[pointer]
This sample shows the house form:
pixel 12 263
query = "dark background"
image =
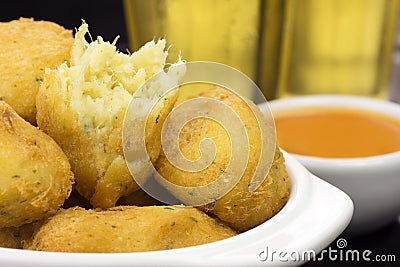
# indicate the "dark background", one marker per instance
pixel 106 18
pixel 385 241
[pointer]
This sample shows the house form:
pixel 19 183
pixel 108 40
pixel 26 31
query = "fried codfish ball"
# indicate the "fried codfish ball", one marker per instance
pixel 35 176
pixel 239 208
pixel 82 107
pixel 128 229
pixel 27 48
pixel 17 237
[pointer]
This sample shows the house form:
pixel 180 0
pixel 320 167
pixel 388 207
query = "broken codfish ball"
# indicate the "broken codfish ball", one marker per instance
pixel 82 107
pixel 240 208
pixel 128 229
pixel 35 176
pixel 27 48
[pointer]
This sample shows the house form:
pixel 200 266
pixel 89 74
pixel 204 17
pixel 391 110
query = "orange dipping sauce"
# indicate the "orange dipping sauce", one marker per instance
pixel 337 133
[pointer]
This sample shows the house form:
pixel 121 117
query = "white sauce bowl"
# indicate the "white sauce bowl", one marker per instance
pixel 373 182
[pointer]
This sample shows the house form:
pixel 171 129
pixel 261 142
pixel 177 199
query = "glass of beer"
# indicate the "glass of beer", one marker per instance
pixel 224 31
pixel 337 47
pixel 288 47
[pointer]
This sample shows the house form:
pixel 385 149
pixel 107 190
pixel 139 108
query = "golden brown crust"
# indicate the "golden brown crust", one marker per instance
pixel 239 208
pixel 35 173
pixel 27 47
pixel 128 229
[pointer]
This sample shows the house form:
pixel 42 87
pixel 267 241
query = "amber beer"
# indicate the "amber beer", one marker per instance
pixel 225 31
pixel 337 46
pixel 288 47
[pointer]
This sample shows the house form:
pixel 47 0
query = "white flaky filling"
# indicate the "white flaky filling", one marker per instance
pixel 101 80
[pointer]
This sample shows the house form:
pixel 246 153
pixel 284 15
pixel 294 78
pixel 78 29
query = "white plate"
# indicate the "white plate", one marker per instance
pixel 314 216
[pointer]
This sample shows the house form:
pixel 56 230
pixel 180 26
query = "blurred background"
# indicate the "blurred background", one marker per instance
pixel 288 47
